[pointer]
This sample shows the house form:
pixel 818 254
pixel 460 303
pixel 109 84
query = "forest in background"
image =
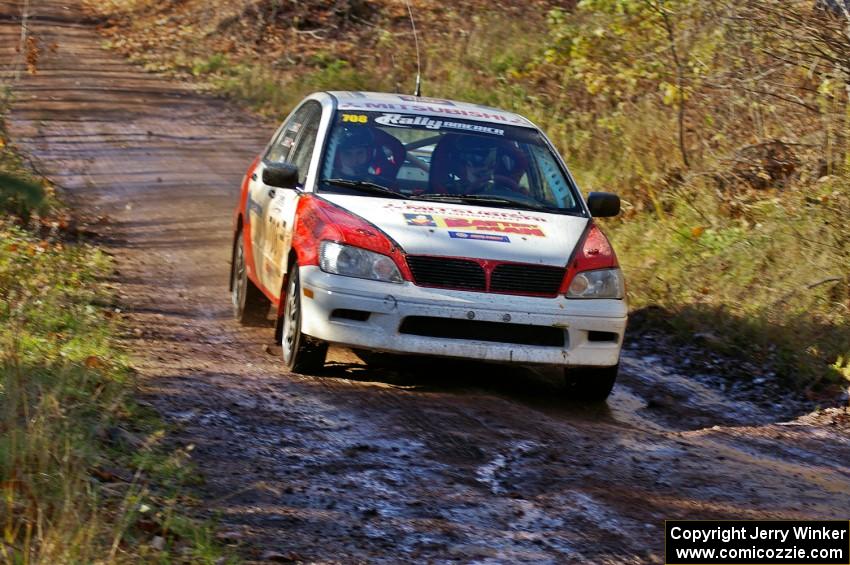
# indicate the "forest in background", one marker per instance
pixel 723 125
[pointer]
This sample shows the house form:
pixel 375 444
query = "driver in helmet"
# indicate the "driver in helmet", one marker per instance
pixel 476 164
pixel 355 153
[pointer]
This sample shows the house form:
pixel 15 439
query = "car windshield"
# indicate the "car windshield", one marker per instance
pixel 420 157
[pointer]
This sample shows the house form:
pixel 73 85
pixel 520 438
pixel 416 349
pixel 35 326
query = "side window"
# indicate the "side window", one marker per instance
pixel 554 188
pixel 303 151
pixel 282 145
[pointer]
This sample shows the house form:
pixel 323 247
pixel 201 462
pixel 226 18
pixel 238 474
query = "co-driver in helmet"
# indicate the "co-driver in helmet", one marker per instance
pixel 475 165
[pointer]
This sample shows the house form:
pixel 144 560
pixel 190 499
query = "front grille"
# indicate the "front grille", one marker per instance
pixel 526 279
pixel 486 276
pixel 446 328
pixel 445 272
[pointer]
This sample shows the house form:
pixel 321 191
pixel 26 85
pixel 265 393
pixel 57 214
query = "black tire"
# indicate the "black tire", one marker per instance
pixel 250 305
pixel 365 355
pixel 589 384
pixel 382 360
pixel 301 353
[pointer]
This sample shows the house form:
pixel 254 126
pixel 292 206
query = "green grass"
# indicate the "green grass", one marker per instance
pixel 771 285
pixel 271 92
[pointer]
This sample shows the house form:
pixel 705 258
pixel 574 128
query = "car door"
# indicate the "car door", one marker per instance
pixel 261 195
pixel 280 218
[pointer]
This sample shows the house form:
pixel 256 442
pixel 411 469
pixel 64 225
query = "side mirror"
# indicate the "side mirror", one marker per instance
pixel 603 204
pixel 280 175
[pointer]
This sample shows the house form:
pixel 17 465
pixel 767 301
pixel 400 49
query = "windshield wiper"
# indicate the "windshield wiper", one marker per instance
pixel 484 199
pixel 365 186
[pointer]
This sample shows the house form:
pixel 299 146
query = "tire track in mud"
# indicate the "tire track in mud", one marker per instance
pixel 438 461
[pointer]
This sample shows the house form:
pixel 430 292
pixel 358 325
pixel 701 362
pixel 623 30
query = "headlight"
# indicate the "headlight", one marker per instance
pixel 604 283
pixel 351 261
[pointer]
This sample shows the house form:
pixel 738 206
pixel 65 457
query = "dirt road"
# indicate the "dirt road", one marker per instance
pixel 443 462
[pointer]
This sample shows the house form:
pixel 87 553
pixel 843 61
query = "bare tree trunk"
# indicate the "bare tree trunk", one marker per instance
pixel 658 7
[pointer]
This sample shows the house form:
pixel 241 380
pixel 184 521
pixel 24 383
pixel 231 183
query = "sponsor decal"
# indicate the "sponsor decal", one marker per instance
pixel 402 121
pixel 498 226
pixel 479 236
pixel 472 225
pixel 355 118
pixel 426 100
pixel 420 220
pixel 254 206
pixel 488 114
pixel 416 209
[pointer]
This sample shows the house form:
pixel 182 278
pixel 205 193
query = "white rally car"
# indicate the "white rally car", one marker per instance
pixel 405 224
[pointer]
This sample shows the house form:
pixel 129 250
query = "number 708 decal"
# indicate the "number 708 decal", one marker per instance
pixel 355 118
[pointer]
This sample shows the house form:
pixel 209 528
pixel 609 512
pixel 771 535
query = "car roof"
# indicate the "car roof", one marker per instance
pixel 423 105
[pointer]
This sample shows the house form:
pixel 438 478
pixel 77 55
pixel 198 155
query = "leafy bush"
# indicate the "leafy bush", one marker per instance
pixel 213 64
pixel 20 195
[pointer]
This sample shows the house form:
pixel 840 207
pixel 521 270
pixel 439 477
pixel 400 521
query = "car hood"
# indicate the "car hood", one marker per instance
pixel 459 230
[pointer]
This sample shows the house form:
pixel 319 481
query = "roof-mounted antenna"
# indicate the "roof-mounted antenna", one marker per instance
pixel 418 91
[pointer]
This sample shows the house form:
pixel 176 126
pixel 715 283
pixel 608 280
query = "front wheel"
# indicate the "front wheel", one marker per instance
pixel 301 353
pixel 589 384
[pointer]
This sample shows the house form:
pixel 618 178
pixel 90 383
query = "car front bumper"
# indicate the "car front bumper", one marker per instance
pixel 592 329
